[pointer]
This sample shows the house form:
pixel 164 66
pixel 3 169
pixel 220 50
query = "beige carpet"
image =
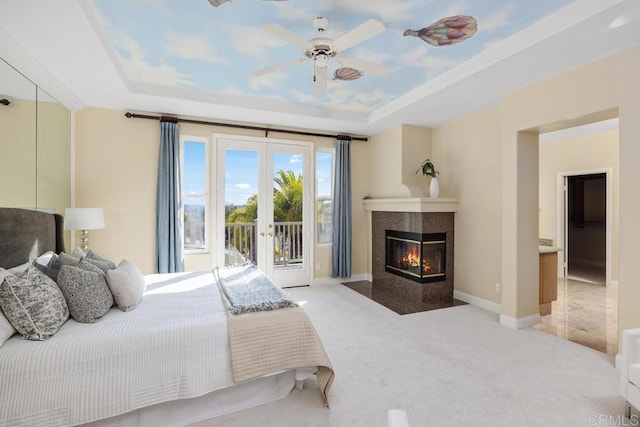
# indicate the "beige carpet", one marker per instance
pixel 449 367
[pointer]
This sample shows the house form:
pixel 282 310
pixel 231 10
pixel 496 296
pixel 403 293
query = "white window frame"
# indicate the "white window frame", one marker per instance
pixel 331 151
pixel 205 195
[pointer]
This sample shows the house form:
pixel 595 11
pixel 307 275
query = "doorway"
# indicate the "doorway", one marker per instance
pixel 263 197
pixel 585 255
pixel 577 211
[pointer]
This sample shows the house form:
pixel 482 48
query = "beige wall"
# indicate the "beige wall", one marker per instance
pixel 584 153
pixel 394 156
pixel 467 154
pixel 589 93
pixel 116 167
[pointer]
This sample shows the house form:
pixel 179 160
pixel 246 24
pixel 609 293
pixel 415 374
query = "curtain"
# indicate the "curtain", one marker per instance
pixel 169 201
pixel 341 233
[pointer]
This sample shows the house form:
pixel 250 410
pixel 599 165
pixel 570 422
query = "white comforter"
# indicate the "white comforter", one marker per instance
pixel 174 345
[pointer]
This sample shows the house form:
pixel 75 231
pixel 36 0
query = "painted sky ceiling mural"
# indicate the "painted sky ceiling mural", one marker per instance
pixel 193 45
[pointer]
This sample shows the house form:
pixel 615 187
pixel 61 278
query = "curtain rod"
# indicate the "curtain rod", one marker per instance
pixel 266 130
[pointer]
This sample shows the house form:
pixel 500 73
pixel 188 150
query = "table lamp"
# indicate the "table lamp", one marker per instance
pixel 84 219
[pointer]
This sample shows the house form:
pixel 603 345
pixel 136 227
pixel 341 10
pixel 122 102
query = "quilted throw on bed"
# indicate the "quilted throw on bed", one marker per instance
pixel 264 340
pixel 247 290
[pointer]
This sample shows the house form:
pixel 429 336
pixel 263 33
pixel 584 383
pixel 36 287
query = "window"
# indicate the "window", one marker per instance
pixel 194 193
pixel 324 196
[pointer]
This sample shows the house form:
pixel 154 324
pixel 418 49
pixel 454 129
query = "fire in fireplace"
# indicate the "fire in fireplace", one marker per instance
pixel 417 256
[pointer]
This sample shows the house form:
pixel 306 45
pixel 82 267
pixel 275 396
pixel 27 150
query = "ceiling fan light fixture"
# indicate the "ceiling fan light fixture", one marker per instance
pixel 322 60
pixel 321 23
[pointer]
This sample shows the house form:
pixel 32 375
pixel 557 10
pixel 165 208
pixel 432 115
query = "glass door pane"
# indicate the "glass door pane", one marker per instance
pixel 240 206
pixel 287 214
pixel 264 207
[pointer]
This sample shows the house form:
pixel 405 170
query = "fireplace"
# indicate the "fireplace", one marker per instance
pixel 420 257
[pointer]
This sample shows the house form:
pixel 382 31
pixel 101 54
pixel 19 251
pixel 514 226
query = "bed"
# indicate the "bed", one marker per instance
pixel 171 361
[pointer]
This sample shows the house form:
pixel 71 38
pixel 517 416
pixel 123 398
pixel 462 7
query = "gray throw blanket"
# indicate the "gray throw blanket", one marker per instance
pixel 248 289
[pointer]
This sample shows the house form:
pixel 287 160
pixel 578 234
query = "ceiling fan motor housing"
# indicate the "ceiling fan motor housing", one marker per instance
pixel 322 50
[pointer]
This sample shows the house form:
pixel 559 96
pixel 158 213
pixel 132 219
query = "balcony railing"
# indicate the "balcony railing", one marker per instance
pixel 240 243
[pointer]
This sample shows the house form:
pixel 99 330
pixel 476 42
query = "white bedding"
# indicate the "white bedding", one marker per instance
pixel 168 348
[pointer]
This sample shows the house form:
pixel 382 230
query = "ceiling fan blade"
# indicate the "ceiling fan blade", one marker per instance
pixel 319 79
pixel 279 66
pixel 363 32
pixel 279 31
pixel 364 66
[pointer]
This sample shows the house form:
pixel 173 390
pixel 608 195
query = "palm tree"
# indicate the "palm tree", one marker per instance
pixel 287 197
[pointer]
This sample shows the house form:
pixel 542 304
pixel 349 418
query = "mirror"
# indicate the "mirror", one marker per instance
pixel 35 150
pixel 52 154
pixel 17 139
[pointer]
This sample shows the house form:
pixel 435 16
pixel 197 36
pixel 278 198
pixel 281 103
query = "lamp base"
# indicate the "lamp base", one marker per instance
pixel 84 241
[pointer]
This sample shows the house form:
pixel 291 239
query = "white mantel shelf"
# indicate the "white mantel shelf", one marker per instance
pixel 411 204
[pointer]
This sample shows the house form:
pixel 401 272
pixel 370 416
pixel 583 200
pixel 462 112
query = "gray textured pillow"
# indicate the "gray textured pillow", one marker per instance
pixel 51 273
pixel 78 253
pixel 95 257
pixel 87 265
pixel 127 285
pixel 102 266
pixel 67 259
pixel 33 304
pixel 87 293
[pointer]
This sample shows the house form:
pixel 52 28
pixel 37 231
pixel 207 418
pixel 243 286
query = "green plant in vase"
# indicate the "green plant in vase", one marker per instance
pixel 428 169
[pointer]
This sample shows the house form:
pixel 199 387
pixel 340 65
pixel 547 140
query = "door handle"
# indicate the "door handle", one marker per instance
pixel 261 234
pixel 270 234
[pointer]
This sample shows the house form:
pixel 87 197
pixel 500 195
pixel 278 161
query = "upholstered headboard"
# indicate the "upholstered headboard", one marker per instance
pixel 26 234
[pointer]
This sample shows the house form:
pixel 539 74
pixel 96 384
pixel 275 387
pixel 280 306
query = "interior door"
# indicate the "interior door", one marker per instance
pixel 264 207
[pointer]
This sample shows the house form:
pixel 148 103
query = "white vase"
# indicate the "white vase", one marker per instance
pixel 434 188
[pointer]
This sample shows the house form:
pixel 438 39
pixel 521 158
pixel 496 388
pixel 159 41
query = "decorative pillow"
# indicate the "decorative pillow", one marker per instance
pixel 87 265
pixel 102 266
pixel 78 253
pixel 51 273
pixel 67 259
pixel 95 257
pixel 87 293
pixel 6 329
pixel 45 258
pixel 33 304
pixel 19 269
pixel 127 285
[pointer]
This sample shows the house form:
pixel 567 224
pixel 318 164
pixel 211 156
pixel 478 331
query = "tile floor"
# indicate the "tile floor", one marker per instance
pixel 585 313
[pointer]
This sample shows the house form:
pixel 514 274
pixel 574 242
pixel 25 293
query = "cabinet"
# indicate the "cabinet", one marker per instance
pixel 548 274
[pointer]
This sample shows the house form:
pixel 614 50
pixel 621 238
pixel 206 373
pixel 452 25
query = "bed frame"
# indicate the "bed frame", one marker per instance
pixel 26 234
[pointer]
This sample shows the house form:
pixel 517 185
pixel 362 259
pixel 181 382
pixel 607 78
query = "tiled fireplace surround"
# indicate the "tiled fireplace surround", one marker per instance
pixel 434 293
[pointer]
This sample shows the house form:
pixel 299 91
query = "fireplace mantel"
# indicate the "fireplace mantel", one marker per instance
pixel 411 204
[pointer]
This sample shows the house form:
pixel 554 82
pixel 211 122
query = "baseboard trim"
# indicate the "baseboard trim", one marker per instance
pixel 478 302
pixel 339 280
pixel 521 322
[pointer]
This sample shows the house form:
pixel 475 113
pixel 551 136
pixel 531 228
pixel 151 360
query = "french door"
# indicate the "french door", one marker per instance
pixel 263 204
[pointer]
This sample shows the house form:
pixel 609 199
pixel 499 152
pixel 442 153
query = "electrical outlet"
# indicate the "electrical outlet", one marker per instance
pixel 498 288
pixel 317 266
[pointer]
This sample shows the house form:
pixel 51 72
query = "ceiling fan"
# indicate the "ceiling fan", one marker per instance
pixel 216 3
pixel 322 49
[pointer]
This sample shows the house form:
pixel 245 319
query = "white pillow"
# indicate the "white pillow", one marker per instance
pixel 127 285
pixel 45 258
pixel 6 328
pixel 19 269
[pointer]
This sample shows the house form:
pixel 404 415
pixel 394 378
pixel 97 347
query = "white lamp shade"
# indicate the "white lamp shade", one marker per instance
pixel 83 218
